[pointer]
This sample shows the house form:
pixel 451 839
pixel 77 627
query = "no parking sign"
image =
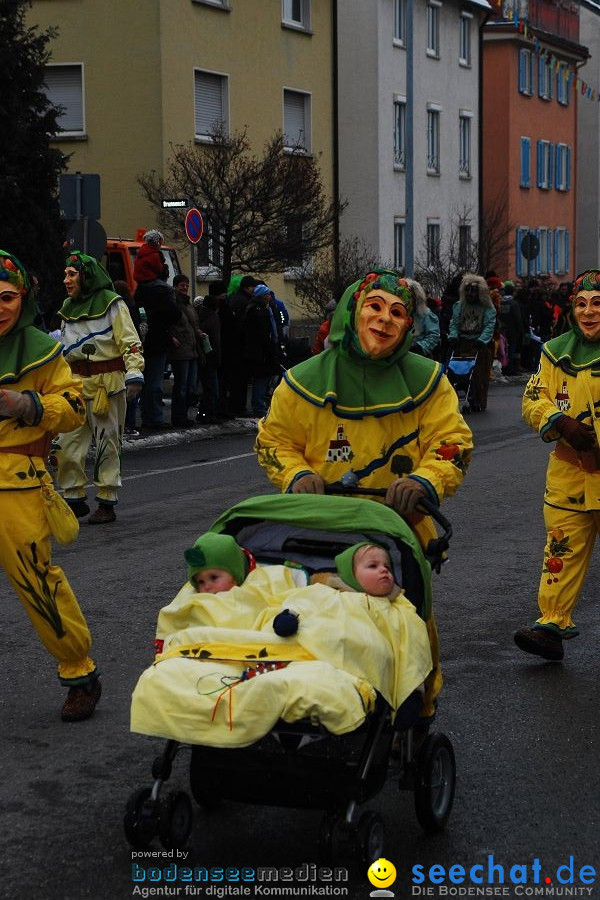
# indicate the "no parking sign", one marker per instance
pixel 194 225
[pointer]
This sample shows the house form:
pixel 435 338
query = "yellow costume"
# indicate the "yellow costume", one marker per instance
pixel 33 367
pixel 572 495
pixel 384 417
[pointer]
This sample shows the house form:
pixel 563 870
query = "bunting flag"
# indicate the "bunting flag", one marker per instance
pixel 556 64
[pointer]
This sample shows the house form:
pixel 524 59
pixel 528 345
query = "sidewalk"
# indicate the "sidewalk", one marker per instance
pixel 168 438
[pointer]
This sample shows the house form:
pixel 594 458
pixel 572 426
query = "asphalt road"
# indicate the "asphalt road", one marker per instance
pixel 525 732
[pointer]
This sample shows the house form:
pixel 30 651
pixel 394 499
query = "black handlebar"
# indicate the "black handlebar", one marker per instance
pixel 436 548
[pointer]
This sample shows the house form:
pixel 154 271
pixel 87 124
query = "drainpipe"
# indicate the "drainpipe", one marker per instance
pixel 335 148
pixel 480 141
pixel 409 187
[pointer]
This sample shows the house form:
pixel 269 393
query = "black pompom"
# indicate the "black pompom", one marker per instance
pixel 285 623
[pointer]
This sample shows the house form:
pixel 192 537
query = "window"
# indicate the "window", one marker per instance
pixel 433 28
pixel 465 246
pixel 399 244
pixel 64 88
pixel 544 79
pixel 296 120
pixel 210 103
pixel 526 72
pixel 296 13
pixel 544 258
pixel 433 141
pixel 525 162
pixel 400 133
pixel 563 81
pixel 433 243
pixel 563 168
pixel 464 53
pixel 464 159
pixel 544 164
pixel 399 21
pixel 561 251
pixel 209 251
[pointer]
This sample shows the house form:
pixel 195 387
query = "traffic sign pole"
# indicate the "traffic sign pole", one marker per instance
pixel 193 273
pixel 194 228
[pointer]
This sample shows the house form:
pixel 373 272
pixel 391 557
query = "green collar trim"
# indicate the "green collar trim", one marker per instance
pixel 572 353
pixel 50 354
pixel 94 307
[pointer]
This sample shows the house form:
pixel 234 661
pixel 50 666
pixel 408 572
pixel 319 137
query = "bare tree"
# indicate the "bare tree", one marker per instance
pixel 317 283
pixel 264 213
pixel 496 232
pixel 454 252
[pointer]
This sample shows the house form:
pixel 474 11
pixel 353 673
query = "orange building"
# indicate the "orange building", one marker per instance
pixel 529 133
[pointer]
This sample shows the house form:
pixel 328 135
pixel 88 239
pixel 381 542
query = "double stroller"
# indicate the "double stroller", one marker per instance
pixel 300 764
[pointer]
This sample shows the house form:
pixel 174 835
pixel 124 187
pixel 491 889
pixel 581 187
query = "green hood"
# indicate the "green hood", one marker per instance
pixel 572 352
pixel 24 347
pixel 217 551
pixel 322 512
pixel 356 385
pixel 96 291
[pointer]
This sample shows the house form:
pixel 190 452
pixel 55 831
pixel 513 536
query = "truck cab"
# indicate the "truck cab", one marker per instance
pixel 119 257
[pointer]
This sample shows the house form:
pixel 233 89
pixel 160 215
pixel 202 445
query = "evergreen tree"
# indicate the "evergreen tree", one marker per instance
pixel 30 222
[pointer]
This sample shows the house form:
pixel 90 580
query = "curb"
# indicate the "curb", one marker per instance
pixel 190 435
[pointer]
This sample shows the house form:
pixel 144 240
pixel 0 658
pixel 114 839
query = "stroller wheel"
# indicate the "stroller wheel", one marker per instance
pixel 370 837
pixel 175 819
pixel 466 408
pixel 335 840
pixel 140 823
pixel 435 780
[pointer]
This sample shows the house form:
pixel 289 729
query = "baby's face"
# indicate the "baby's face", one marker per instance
pixel 373 571
pixel 212 581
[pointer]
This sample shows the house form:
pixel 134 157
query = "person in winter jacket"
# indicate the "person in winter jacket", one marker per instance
pixel 471 333
pixel 426 325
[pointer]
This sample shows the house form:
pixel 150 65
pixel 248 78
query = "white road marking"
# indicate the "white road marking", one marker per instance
pixel 198 465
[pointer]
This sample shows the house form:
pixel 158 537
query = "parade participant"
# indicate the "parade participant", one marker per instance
pixel 426 325
pixel 370 404
pixel 471 333
pixel 216 563
pixel 39 396
pixel 103 347
pixel 561 402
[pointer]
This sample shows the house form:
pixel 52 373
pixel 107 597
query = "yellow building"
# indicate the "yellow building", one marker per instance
pixel 136 77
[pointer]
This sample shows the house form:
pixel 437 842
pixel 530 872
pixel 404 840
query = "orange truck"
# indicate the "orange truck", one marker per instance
pixel 119 257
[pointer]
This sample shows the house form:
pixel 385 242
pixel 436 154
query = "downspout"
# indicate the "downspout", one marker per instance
pixel 335 142
pixel 480 141
pixel 409 187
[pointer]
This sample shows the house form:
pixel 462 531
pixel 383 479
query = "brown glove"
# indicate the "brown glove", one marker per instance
pixel 404 494
pixel 17 405
pixel 579 436
pixel 309 484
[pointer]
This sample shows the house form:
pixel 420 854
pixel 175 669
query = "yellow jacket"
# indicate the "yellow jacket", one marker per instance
pixel 432 442
pixel 550 393
pixel 59 397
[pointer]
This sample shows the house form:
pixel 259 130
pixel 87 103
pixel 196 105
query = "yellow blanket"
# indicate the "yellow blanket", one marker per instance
pixel 347 646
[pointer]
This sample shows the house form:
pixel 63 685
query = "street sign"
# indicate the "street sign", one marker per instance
pixel 79 195
pixel 174 204
pixel 88 236
pixel 530 245
pixel 194 225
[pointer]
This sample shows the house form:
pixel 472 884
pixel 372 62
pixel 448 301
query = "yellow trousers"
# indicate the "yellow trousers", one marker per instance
pixel 569 544
pixel 72 448
pixel 42 588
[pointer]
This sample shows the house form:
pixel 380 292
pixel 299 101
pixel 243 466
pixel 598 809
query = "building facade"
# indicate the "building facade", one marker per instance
pixel 587 254
pixel 135 79
pixel 530 64
pixel 409 126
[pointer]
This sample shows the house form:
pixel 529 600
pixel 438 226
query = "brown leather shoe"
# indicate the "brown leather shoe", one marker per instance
pixel 103 514
pixel 81 701
pixel 541 642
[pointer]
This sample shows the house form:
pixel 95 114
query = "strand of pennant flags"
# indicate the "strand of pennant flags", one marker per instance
pixel 555 63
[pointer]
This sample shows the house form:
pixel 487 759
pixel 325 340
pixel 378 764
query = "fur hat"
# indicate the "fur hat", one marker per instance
pixel 154 237
pixel 483 289
pixel 419 298
pixel 217 551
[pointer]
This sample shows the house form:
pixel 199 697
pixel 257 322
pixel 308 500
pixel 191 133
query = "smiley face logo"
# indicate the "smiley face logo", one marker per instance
pixel 381 873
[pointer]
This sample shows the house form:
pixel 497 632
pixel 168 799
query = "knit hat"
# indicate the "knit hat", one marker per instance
pixel 154 237
pixel 345 562
pixel 260 290
pixel 217 551
pixel 494 283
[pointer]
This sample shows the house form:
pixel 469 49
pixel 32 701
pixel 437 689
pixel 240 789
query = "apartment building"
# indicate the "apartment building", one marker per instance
pixel 587 254
pixel 135 78
pixel 531 61
pixel 409 125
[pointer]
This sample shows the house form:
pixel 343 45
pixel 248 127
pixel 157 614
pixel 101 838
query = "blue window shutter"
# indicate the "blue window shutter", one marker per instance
pixel 550 252
pixel 558 167
pixel 521 71
pixel 550 80
pixel 527 162
pixel 568 152
pixel 550 164
pixel 540 163
pixel 555 267
pixel 540 77
pixel 538 259
pixel 518 258
pixel 567 250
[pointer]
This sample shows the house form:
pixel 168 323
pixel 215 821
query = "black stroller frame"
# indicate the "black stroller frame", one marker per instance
pixel 462 381
pixel 302 765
